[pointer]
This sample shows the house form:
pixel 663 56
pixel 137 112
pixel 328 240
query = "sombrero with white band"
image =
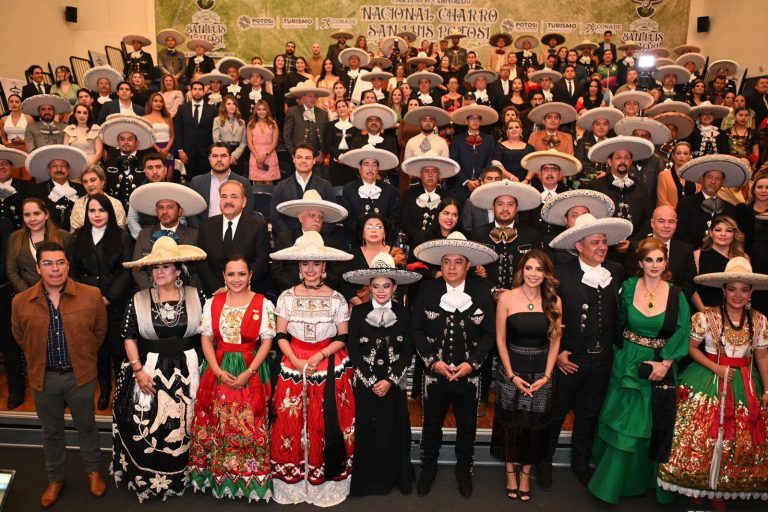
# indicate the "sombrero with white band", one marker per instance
pixel 348 53
pixel 15 156
pixel 610 114
pixel 192 44
pixel 31 105
pixel 485 195
pixel 669 106
pixel 639 148
pixel 683 122
pixel 490 76
pixel 568 164
pixel 310 247
pixel 311 200
pixel 614 229
pixel 737 270
pixel 522 39
pixel 643 98
pixel 361 114
pixel 421 58
pixel 117 124
pixel 537 76
pixel 383 265
pixel 214 75
pixel 386 159
pixel 660 134
pixel 37 161
pixel 414 116
pixel 433 251
pixel 166 250
pixel 376 72
pixel 447 166
pixel 681 74
pixel 567 113
pixel 145 198
pixel 92 76
pixel 597 203
pixel 307 87
pixel 719 111
pixel 434 79
pixel 489 115
pixel 736 172
pixel 170 32
pixel 697 59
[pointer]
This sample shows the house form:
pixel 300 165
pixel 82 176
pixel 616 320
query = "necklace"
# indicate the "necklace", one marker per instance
pixel 530 300
pixel 163 311
pixel 310 287
pixel 650 295
pixel 741 320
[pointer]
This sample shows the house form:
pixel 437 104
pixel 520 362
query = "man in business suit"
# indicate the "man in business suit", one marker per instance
pixel 123 105
pixel 473 216
pixel 233 231
pixel 606 45
pixel 194 131
pixel 568 90
pixel 305 123
pixel 341 37
pixel 37 84
pixel 501 89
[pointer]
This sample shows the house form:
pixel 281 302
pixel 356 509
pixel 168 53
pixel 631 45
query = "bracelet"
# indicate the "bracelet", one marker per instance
pixel 131 363
pixel 137 371
pixel 512 378
pixel 547 377
pixel 325 356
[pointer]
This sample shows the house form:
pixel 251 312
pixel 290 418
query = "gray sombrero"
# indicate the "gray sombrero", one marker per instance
pixel 736 172
pixel 698 60
pixel 383 265
pixel 567 113
pixel 144 199
pixel 170 32
pixel 586 43
pixel 719 111
pixel 361 114
pixel 537 76
pixel 15 156
pixel 682 75
pixel 247 70
pixel 614 229
pixel 31 105
pixel 730 66
pixel 447 166
pixel 227 62
pixel 346 34
pixel 130 38
pixel 214 75
pixel 527 197
pixel 737 270
pixel 414 116
pixel 347 53
pixel 660 134
pixel 117 124
pixel 310 247
pixel 643 98
pixel 568 164
pixel 669 106
pixel 639 148
pixel 598 204
pixel 489 115
pixel 456 243
pixel 387 160
pixel 434 79
pixel 307 87
pixel 376 72
pixel 610 114
pixel 92 76
pixel 192 44
pixel 166 250
pixel 490 76
pixel 522 39
pixel 685 49
pixel 37 161
pixel 311 200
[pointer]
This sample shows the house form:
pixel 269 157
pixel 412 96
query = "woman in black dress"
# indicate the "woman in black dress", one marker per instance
pixel 97 252
pixel 723 241
pixel 752 218
pixel 380 350
pixel 280 86
pixel 338 140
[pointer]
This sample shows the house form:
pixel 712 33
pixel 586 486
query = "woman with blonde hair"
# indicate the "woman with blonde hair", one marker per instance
pixel 174 98
pixel 262 137
pixel 723 241
pixel 229 128
pixel 162 122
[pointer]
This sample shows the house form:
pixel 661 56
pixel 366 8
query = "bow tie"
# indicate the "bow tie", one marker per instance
pixel 455 300
pixel 255 95
pixel 428 200
pixel 713 205
pixel 481 95
pixel 500 52
pixel 164 232
pixel 375 139
pixel 214 97
pixel 6 190
pixel 551 141
pixel 381 317
pixel 503 235
pixel 367 191
pixel 126 161
pixel 474 140
pixel 198 60
pixel 623 182
pixel 309 115
pixel 595 277
pixel 136 55
pixel 353 73
pixel 103 99
pixel 425 99
pixel 171 52
pixel 234 89
pixel 527 53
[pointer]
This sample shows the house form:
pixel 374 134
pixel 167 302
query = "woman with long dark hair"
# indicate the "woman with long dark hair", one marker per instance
pixel 724 240
pixel 162 122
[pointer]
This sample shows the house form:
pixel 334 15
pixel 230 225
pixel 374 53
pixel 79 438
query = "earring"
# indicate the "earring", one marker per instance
pixel 323 275
pixel 179 283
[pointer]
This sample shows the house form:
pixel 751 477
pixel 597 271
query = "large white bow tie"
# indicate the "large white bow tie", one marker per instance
pixel 425 98
pixel 214 98
pixel 381 317
pixel 596 276
pixel 368 191
pixel 60 191
pixel 234 89
pixel 309 115
pixel 375 139
pixel 198 60
pixel 103 99
pixel 623 182
pixel 353 73
pixel 455 300
pixel 255 95
pixel 428 200
pixel 481 95
pixel 136 55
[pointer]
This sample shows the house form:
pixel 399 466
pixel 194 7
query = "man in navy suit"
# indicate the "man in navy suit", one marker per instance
pixel 123 105
pixel 194 131
pixel 37 85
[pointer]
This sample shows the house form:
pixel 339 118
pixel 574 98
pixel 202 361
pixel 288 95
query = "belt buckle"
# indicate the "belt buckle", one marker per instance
pixel 597 349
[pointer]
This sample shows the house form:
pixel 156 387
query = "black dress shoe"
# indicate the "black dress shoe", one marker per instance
pixel 103 402
pixel 465 486
pixel 544 475
pixel 15 400
pixel 424 485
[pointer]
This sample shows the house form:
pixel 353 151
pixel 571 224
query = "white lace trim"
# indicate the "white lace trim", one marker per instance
pixel 708 493
pixel 326 494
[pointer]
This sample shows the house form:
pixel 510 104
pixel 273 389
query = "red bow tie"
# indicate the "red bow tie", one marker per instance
pixel 474 140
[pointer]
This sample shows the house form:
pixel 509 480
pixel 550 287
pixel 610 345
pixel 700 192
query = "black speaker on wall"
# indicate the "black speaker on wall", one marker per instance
pixel 702 24
pixel 70 14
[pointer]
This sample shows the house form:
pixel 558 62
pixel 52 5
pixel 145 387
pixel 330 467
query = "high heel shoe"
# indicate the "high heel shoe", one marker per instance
pixel 513 494
pixel 525 496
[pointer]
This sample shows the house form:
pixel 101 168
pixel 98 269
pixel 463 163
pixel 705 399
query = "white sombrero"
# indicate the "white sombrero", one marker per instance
pixel 92 76
pixel 683 122
pixel 489 115
pixel 214 75
pixel 569 165
pixel 407 35
pixel 311 200
pixel 685 49
pixel 170 32
pixel 117 124
pixel 307 87
pixel 361 114
pixel 643 98
pixel 144 199
pixel 614 229
pixel 130 38
pixel 610 114
pixel 347 53
pixel 376 72
pixel 735 170
pixel 346 34
pixel 527 197
pixel 434 79
pixel 31 105
pixel 730 66
pixel 247 70
pixel 192 44
pixel 37 161
pixel 669 106
pixel 628 46
pixel 586 43
pixel 660 134
pixel 737 270
pixel 659 53
pixel 490 76
pixel 383 265
pixel 598 204
pixel 719 111
pixel 414 116
pixel 421 58
pixel 638 147
pixel 537 76
pixel 166 250
pixel 522 39
pixel 456 243
pixel 697 59
pixel 663 61
pixel 413 166
pixel 228 62
pixel 310 247
pixel 682 75
pixel 386 159
pixel 567 113
pixel 15 156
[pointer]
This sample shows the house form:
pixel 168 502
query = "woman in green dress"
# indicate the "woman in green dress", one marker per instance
pixel 635 428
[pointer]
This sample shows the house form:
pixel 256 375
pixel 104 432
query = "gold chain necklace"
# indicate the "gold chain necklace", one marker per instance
pixel 650 295
pixel 530 300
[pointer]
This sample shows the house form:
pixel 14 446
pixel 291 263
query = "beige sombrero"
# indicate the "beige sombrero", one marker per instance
pixel 643 98
pixel 685 49
pixel 522 39
pixel 434 79
pixel 228 62
pixel 421 58
pixel 682 75
pixel 731 66
pixel 144 199
pixel 414 116
pixel 382 265
pixel 610 114
pixel 614 229
pixel 346 34
pixel 447 166
pixel 407 35
pixel 170 32
pixel 376 72
pixel 586 43
pixel 15 156
pixel 307 87
pixel 249 69
pixel 669 106
pixel 387 160
pixel 166 250
pixel 638 147
pixel 683 122
pixel 719 111
pixel 37 161
pixel 735 170
pixel 567 113
pixel 627 46
pixel 380 62
pixel 569 165
pixel 697 59
pixel 118 123
pixel 597 203
pixel 660 134
pixel 490 76
pixel 311 200
pixel 192 44
pixel 659 53
pixel 214 75
pixel 347 53
pixel 489 115
pixel 456 243
pixel 130 38
pixel 737 270
pixel 361 114
pixel 92 76
pixel 662 62
pixel 31 105
pixel 527 197
pixel 537 76
pixel 310 247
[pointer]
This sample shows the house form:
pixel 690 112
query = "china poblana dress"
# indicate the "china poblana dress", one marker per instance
pixel 230 437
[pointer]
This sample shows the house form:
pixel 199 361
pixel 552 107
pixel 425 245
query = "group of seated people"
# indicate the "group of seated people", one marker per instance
pixel 566 264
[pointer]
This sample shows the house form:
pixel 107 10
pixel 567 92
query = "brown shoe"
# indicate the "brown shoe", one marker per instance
pixel 96 484
pixel 51 494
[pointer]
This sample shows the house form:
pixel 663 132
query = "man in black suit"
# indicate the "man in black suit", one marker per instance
pixel 37 84
pixel 341 37
pixel 122 105
pixel 606 45
pixel 695 213
pixel 12 191
pixel 58 191
pixel 255 91
pixel 472 149
pixel 194 131
pixel 473 216
pixel 127 140
pixel 758 100
pixel 370 121
pixel 568 90
pixel 234 231
pixel 501 89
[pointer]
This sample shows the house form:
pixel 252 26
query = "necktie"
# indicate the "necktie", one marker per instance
pixel 228 238
pixel 570 88
pixel 425 145
pixel 197 118
pixel 40 89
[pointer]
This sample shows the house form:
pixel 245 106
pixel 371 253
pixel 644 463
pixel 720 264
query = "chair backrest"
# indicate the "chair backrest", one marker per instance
pixel 337 191
pixel 79 66
pixel 262 201
pixel 116 57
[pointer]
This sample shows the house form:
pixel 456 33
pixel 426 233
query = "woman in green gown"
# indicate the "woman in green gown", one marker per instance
pixel 635 428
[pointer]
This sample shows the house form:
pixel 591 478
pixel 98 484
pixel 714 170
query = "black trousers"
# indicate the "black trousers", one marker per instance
pixel 486 375
pixel 583 392
pixel 14 358
pixel 439 394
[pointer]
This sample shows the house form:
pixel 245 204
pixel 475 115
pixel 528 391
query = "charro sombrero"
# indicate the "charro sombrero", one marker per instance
pixel 311 200
pixel 663 61
pixel 567 112
pixel 669 106
pixel 166 250
pixel 568 164
pixel 527 197
pixel 117 124
pixel 249 69
pixel 456 243
pixel 736 172
pixel 227 62
pixel 586 43
pixel 15 156
pixel 307 87
pixel 495 38
pixel 455 33
pixel 382 265
pixel 170 32
pixel 682 122
pixel 214 75
pixel 361 114
pixel 310 247
pixel 643 98
pixel 92 76
pixel 192 44
pixel 376 72
pixel 730 67
pixel 682 75
pixel 407 35
pixel 490 76
pixel 144 199
pixel 546 38
pixel 346 34
pixel 597 203
pixel 380 62
pixel 348 53
pixel 447 166
pixel 31 105
pixel 719 111
pixel 522 39
pixel 737 270
pixel 420 58
pixel 537 76
pixel 614 229
pixel 37 161
pixel 659 53
pixel 434 79
pixel 610 114
pixel 628 46
pixel 489 115
pixel 697 59
pixel 387 160
pixel 660 134
pixel 638 147
pixel 130 38
pixel 414 116
pixel 685 49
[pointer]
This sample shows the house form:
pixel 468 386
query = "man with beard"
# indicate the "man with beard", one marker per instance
pixel 155 171
pixel 12 191
pixel 128 138
pixel 372 120
pixel 341 37
pixel 290 57
pixel 47 130
pixel 194 131
pixel 427 141
pixel 597 125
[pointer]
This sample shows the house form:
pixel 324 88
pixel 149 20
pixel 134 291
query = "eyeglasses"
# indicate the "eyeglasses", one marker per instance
pixel 53 264
pixel 372 227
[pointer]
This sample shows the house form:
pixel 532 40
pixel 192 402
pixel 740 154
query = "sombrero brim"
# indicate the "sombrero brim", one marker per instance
pixel 361 114
pixel 719 111
pixel 454 34
pixel 93 75
pixel 364 276
pixel 37 161
pixel 407 35
pixel 663 62
pixel 522 39
pixel 547 37
pixel 310 253
pixel 736 172
pixel 685 49
pixel 720 279
pixel 640 149
pixel 683 123
pixel 586 44
pixel 192 44
pixel 697 59
pixel 434 79
pixel 370 75
pixel 130 38
pixel 207 78
pixel 429 61
pixel 569 165
pixel 643 98
pixel 332 212
pixel 15 156
pixel 433 251
pixel 731 66
pixel 31 105
pixel 614 229
pixel 144 199
pixel 599 205
pixel 342 33
pixel 381 62
pixel 169 32
pixel 493 41
pixel 538 76
pixel 489 115
pixel 669 106
pixel 413 166
pixel 248 70
pixel 299 91
pixel 527 197
pixel 490 76
pixel 567 113
pixel 228 62
pixel 414 116
pixel 179 254
pixel 682 75
pixel 659 53
pixel 386 159
pixel 613 115
pixel 145 135
pixel 345 55
pixel 660 134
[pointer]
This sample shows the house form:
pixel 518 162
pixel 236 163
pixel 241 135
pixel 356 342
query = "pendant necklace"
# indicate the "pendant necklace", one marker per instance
pixel 530 300
pixel 651 295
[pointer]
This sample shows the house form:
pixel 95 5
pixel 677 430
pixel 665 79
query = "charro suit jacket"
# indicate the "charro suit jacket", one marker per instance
pixel 296 130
